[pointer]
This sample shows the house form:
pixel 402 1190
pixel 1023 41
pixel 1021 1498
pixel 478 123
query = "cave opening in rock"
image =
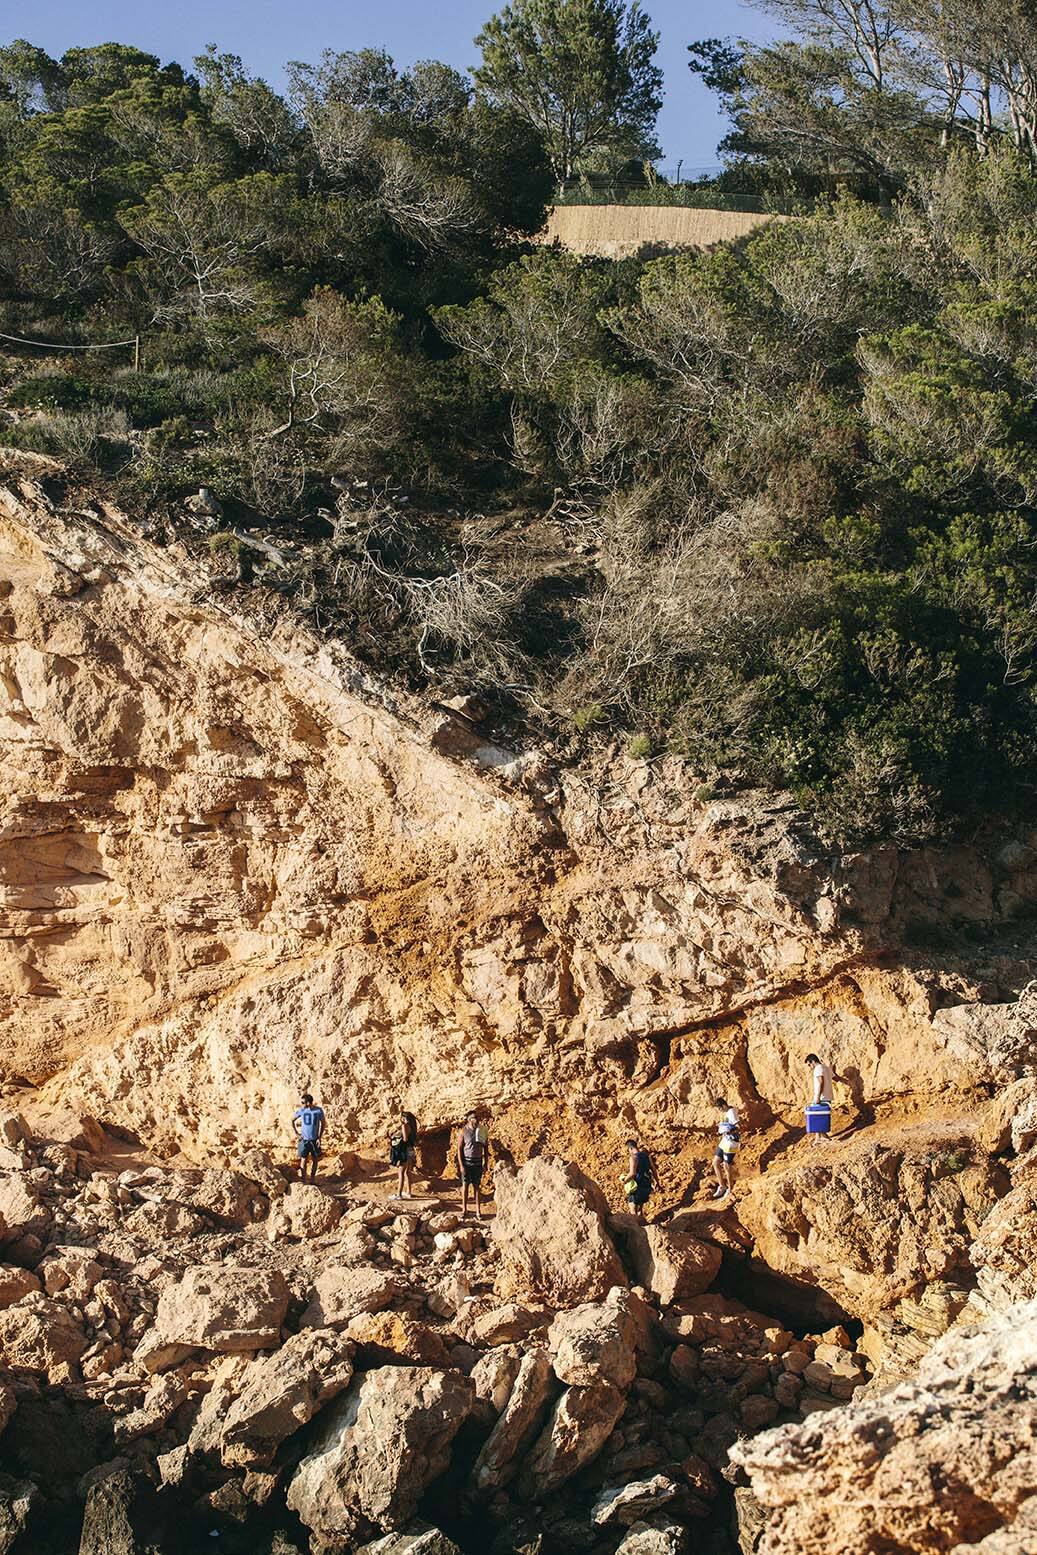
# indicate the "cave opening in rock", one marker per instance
pixel 802 1308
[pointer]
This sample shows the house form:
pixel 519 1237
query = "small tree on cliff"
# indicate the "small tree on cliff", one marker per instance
pixel 582 72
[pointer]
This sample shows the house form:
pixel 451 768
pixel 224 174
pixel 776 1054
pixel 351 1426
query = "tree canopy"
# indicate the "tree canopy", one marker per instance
pixel 866 90
pixel 582 73
pixel 771 506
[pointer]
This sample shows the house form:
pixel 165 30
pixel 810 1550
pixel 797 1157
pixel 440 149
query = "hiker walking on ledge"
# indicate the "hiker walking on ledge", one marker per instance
pixel 640 1179
pixel 728 1140
pixel 819 1107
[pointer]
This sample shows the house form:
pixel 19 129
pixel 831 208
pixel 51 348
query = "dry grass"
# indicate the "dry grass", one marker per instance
pixel 617 231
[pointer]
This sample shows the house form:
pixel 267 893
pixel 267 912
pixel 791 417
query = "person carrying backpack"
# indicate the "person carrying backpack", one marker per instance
pixel 473 1151
pixel 640 1178
pixel 403 1152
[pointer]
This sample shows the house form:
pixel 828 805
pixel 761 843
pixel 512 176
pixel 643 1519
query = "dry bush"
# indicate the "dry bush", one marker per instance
pixel 83 436
pixel 273 470
pixel 704 593
pixel 467 612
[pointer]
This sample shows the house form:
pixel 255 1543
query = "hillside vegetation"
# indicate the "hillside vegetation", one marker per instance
pixel 771 506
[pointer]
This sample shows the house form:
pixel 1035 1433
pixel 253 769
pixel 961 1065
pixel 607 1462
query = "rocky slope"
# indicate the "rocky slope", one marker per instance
pixel 232 866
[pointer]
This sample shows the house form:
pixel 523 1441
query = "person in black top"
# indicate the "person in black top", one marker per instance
pixel 640 1179
pixel 403 1152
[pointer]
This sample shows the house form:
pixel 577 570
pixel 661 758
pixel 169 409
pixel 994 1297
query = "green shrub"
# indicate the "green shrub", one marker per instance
pixel 174 433
pixel 639 747
pixel 586 718
pixel 52 391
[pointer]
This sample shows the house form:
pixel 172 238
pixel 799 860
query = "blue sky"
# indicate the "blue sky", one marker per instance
pixel 268 32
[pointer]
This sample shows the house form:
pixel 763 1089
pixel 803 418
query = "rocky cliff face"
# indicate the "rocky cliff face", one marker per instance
pixel 232 865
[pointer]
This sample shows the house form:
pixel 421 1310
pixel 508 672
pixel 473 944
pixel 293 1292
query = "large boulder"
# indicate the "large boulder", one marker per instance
pixel 341 1294
pixel 389 1338
pixel 550 1232
pixel 305 1211
pixel 876 1220
pixel 258 1167
pixel 15 1283
pixel 599 1341
pixel 380 1447
pixel 670 1263
pixel 229 1378
pixel 946 1462
pixel 121 1517
pixel 70 1272
pixel 521 1419
pixel 223 1196
pixel 21 1207
pixel 577 1429
pixel 40 1335
pixel 17 1498
pixel 1009 1120
pixel 216 1308
pixel 659 1535
pixel 282 1392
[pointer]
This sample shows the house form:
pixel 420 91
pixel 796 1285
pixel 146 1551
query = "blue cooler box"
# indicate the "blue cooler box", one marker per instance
pixel 819 1118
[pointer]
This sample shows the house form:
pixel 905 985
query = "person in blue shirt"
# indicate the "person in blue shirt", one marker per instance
pixel 308 1123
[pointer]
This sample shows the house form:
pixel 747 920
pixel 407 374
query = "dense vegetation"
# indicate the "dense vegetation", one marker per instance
pixel 771 506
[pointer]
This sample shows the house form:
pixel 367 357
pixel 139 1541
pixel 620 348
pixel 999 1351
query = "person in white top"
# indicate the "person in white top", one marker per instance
pixel 822 1077
pixel 728 1141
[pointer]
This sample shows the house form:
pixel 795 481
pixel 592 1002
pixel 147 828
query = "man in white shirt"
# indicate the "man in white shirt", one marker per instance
pixel 819 1112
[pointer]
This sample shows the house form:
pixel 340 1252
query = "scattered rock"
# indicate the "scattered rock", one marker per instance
pixel 419 1539
pixel 629 1503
